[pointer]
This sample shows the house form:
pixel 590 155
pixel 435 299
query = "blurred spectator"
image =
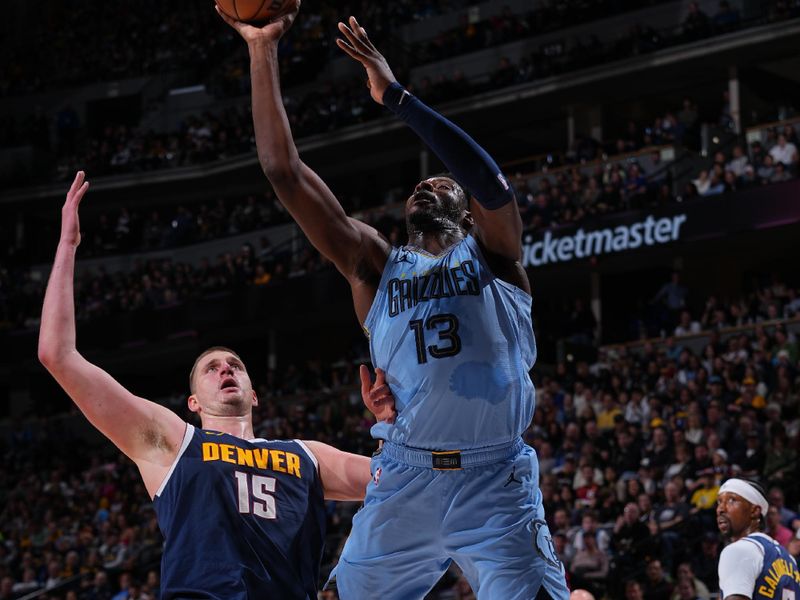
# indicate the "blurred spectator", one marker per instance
pixel 689 587
pixel 696 24
pixel 589 567
pixel 784 152
pixel 775 529
pixel 657 585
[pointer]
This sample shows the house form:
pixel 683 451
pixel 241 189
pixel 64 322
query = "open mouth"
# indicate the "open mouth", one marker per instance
pixel 424 198
pixel 228 383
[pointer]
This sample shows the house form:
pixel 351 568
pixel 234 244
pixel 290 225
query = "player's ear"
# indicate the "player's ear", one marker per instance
pixel 255 397
pixel 193 404
pixel 467 221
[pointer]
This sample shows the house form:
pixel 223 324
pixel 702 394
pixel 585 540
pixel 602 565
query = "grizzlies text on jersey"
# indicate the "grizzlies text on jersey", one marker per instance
pixel 457 344
pixel 242 519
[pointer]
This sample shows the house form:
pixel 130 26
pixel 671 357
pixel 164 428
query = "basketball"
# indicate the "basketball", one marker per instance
pixel 253 11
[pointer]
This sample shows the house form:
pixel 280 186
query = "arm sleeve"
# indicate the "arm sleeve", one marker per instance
pixel 470 164
pixel 739 567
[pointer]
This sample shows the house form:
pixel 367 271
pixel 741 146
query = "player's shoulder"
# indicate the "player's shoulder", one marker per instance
pixel 744 548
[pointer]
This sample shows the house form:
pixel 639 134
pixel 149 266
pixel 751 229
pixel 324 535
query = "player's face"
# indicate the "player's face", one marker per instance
pixel 438 203
pixel 734 514
pixel 222 385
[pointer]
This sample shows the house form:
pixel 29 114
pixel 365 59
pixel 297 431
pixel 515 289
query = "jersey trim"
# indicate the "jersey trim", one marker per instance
pixel 756 544
pixel 308 451
pixel 187 437
pixel 476 246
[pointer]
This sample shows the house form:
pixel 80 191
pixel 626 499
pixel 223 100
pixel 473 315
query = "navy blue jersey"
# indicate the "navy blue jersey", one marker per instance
pixel 241 519
pixel 779 576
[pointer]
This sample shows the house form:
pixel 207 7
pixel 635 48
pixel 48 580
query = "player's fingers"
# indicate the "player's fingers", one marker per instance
pixel 362 33
pixel 348 33
pixel 352 37
pixel 222 15
pixel 349 50
pixel 384 405
pixel 380 376
pixel 81 192
pixel 379 391
pixel 76 183
pixel 366 381
pixel 229 20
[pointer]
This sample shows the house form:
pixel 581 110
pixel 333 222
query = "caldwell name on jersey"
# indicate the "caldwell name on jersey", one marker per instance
pixel 242 519
pixel 758 567
pixel 457 344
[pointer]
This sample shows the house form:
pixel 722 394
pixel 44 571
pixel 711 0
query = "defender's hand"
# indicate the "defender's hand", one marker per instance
pixel 271 32
pixel 359 47
pixel 377 396
pixel 70 226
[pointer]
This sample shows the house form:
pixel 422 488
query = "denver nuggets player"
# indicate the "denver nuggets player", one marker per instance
pixel 242 517
pixel 449 322
pixel 753 566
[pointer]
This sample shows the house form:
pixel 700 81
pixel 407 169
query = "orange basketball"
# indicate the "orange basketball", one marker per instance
pixel 254 11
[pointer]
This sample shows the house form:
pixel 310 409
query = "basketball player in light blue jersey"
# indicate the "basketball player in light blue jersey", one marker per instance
pixel 449 321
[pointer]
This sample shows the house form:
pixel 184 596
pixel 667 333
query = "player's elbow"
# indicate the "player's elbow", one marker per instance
pixel 51 355
pixel 48 358
pixel 280 172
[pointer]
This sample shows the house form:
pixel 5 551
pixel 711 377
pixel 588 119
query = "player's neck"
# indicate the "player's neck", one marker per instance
pixel 435 242
pixel 238 426
pixel 744 534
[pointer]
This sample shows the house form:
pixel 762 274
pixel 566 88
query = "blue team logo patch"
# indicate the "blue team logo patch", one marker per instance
pixel 544 543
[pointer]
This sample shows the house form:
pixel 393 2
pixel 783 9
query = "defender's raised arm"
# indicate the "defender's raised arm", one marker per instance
pixel 148 433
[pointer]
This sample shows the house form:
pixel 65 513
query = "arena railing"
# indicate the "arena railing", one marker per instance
pixel 760 132
pixel 696 342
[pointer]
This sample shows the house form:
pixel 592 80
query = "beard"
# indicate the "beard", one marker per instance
pixel 434 220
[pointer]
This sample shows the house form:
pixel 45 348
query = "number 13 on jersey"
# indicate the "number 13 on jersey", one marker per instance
pixel 449 344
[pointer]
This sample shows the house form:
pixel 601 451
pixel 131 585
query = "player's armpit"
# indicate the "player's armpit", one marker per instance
pixel 143 430
pixel 503 266
pixel 344 475
pixel 499 230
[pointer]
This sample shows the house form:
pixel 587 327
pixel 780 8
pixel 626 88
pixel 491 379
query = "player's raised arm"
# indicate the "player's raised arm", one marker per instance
pixel 346 242
pixel 147 432
pixel 495 210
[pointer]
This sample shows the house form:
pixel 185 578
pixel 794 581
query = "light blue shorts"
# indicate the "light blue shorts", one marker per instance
pixel 487 517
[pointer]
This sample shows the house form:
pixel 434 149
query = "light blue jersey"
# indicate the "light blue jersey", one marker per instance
pixel 456 344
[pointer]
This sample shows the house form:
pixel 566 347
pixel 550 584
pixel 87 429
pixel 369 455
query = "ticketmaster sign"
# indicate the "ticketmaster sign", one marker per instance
pixel 553 248
pixel 704 218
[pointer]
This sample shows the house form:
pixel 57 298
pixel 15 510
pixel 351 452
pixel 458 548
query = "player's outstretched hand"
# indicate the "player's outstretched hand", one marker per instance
pixel 359 47
pixel 377 396
pixel 70 225
pixel 271 32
